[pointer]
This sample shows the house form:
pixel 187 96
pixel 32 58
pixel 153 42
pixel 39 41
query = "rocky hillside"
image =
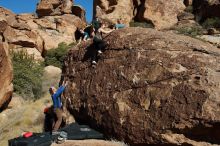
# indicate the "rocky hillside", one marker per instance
pixel 56 22
pixel 160 13
pixel 149 87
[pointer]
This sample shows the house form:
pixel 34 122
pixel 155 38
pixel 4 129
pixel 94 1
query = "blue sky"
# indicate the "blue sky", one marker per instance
pixel 29 6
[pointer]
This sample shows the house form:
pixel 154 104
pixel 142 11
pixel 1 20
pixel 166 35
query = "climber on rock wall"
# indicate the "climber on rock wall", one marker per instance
pixel 98 42
pixel 57 104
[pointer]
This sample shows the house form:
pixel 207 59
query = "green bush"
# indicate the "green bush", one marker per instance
pixel 27 75
pixel 211 23
pixel 141 24
pixel 190 31
pixel 56 56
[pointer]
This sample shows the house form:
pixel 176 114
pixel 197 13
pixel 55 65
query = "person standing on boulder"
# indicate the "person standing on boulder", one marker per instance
pixel 98 42
pixel 57 104
pixel 84 36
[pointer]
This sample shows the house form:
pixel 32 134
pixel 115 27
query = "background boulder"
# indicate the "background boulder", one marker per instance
pixel 54 7
pixel 112 10
pixel 162 14
pixel 35 34
pixel 147 84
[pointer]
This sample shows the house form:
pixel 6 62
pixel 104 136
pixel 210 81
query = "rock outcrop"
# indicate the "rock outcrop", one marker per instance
pixel 6 86
pixel 37 35
pixel 54 7
pixel 112 10
pixel 147 86
pixel 206 9
pixel 162 14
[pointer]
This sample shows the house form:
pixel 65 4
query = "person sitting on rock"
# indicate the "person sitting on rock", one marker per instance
pixel 98 42
pixel 119 24
pixel 57 104
pixel 84 36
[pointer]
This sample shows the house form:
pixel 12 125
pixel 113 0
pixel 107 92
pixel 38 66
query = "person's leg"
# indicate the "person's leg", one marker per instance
pixel 101 46
pixel 59 115
pixel 94 53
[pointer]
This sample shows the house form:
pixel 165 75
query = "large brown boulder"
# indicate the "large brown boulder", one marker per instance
pixel 58 29
pixel 206 8
pixel 146 86
pixel 54 7
pixel 6 87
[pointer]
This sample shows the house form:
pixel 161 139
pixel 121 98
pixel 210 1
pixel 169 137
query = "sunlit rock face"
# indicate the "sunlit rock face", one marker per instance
pixel 162 14
pixel 147 86
pixel 54 7
pixel 36 34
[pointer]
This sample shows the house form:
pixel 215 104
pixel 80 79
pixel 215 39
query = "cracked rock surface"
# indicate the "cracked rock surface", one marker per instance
pixel 147 84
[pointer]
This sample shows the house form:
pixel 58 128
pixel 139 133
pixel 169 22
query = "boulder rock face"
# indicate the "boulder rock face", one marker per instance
pixel 206 8
pixel 147 86
pixel 54 7
pixel 6 86
pixel 162 14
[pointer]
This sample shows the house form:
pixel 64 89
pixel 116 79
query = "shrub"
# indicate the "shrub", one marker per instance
pixel 141 24
pixel 27 75
pixel 211 23
pixel 190 31
pixel 56 56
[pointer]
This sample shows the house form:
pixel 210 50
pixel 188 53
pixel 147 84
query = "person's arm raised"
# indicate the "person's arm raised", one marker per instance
pixel 105 31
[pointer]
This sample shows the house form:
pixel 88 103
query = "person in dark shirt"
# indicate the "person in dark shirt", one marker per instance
pixel 98 42
pixel 84 35
pixel 96 24
pixel 57 104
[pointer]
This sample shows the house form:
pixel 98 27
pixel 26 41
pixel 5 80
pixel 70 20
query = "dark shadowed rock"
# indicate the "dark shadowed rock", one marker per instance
pixel 147 86
pixel 206 8
pixel 188 2
pixel 80 12
pixel 6 87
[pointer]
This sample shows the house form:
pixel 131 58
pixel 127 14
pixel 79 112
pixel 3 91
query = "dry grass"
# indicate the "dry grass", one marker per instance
pixel 28 117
